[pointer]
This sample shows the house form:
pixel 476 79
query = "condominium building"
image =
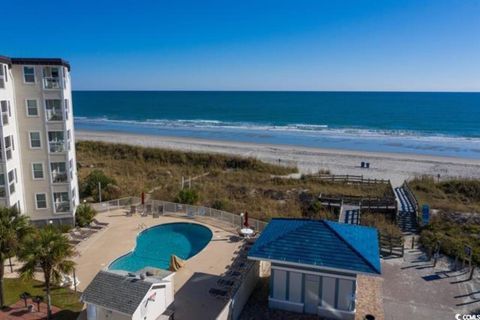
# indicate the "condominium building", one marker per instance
pixel 38 172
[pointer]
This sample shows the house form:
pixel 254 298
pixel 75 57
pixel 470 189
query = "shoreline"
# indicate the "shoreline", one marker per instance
pixel 393 166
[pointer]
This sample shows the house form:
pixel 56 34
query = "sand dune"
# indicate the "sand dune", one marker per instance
pixel 396 167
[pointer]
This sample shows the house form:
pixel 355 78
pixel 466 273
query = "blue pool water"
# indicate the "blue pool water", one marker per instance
pixel 156 245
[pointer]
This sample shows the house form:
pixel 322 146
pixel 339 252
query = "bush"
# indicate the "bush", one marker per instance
pixel 89 187
pixel 84 215
pixel 187 196
pixel 220 204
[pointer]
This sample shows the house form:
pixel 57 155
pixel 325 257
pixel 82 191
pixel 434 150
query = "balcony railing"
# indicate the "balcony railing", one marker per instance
pixel 51 83
pixel 62 206
pixel 59 177
pixel 56 146
pixel 54 115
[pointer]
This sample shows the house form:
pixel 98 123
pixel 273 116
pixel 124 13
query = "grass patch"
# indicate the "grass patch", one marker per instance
pixel 63 298
pixel 233 183
pixel 455 195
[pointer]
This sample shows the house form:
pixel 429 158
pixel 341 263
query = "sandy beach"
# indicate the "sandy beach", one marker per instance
pixel 396 167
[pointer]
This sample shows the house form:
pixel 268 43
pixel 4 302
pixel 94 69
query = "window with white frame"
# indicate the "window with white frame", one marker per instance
pixel 61 201
pixel 2 185
pixel 11 181
pixel 6 112
pixel 53 109
pixel 37 169
pixel 35 140
pixel 29 74
pixel 9 146
pixel 3 76
pixel 41 200
pixel 32 108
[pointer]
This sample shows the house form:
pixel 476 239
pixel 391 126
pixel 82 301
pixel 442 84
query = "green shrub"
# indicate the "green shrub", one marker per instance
pixel 89 187
pixel 187 196
pixel 220 204
pixel 84 215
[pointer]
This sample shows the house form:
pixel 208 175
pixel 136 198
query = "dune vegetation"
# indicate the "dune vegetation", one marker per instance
pixel 224 182
pixel 457 221
pixel 454 195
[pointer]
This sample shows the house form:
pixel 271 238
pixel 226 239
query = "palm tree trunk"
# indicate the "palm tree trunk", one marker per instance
pixel 2 272
pixel 49 301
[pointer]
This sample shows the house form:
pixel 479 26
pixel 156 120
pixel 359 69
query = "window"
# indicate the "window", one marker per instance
pixel 11 181
pixel 67 108
pixel 29 74
pixel 51 77
pixel 37 169
pixel 61 201
pixel 56 141
pixel 9 147
pixel 32 108
pixel 5 109
pixel 35 140
pixel 53 110
pixel 346 295
pixel 2 185
pixel 3 76
pixel 41 200
pixel 59 172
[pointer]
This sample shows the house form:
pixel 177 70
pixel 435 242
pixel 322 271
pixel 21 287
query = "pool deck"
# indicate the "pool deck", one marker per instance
pixel 192 282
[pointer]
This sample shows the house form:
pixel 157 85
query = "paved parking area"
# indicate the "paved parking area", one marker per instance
pixel 413 289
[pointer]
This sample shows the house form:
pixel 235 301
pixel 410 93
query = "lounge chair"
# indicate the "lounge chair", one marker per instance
pixel 133 210
pixel 148 210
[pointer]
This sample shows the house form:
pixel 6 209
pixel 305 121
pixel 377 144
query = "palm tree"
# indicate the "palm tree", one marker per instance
pixel 49 250
pixel 13 229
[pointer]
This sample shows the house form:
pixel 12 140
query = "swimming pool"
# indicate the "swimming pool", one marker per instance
pixel 155 246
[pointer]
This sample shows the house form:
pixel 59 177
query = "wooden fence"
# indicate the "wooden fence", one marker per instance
pixel 391 246
pixel 372 204
pixel 347 179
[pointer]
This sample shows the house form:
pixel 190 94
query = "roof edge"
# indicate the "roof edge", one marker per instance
pixel 41 61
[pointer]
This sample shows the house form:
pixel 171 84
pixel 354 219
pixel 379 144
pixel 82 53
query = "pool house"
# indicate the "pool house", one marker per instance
pixel 315 264
pixel 122 295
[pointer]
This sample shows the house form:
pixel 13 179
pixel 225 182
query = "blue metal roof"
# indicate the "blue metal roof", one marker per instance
pixel 319 243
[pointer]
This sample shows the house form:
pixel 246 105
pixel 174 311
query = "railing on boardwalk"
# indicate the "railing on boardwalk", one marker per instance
pixel 179 209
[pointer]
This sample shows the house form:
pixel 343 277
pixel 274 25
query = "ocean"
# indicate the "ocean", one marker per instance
pixel 439 124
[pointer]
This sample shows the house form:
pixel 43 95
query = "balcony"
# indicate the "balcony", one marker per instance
pixel 62 206
pixel 51 83
pixel 54 114
pixel 59 177
pixel 56 146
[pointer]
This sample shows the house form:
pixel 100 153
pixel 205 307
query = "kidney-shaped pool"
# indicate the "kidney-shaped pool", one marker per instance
pixel 157 244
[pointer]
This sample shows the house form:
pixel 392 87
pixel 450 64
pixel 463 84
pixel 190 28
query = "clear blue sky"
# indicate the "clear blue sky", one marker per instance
pixel 253 44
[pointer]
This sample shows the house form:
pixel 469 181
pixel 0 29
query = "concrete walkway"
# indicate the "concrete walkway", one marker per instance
pixel 413 289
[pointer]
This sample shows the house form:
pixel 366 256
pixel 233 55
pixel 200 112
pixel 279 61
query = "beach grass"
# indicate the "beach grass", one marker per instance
pixel 452 195
pixel 225 182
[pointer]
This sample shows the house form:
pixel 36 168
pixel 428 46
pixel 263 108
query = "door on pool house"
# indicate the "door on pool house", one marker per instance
pixel 312 290
pixel 327 294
